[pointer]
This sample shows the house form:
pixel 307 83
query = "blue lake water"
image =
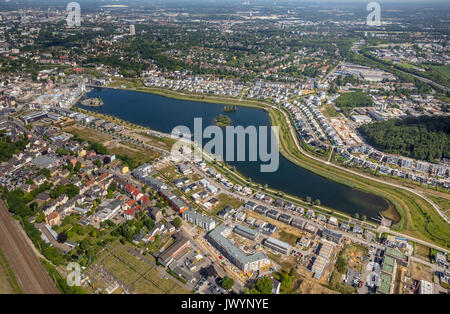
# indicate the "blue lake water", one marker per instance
pixel 163 114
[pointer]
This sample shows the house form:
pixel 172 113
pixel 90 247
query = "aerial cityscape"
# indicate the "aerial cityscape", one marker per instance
pixel 236 147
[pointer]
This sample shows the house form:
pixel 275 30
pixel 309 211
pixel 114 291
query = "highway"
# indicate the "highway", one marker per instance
pixel 31 275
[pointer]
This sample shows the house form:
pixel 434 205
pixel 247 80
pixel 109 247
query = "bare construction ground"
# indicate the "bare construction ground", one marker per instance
pixel 31 275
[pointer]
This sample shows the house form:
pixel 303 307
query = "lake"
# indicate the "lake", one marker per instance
pixel 163 114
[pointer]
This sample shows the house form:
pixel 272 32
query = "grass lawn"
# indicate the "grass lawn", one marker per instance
pixel 417 217
pixel 406 65
pixel 225 200
pixel 422 251
pixel 288 237
pixel 330 111
pixel 443 69
pixel 139 154
pixel 88 134
pixel 443 203
pixel 161 241
pixel 161 142
pixel 139 275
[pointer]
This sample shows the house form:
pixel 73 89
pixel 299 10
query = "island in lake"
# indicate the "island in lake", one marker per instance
pixel 92 102
pixel 223 120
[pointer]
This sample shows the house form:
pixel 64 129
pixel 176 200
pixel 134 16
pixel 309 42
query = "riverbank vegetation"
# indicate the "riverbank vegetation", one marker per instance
pixel 223 120
pixel 414 216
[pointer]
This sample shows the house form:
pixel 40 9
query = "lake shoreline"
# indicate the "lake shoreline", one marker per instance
pixel 276 181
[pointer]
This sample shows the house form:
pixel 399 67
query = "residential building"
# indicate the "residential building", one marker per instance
pixel 247 232
pixel 277 245
pixel 246 263
pixel 199 219
pixel 174 250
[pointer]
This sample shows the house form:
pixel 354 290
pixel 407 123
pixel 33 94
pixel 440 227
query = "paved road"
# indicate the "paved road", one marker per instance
pixel 31 275
pixel 401 235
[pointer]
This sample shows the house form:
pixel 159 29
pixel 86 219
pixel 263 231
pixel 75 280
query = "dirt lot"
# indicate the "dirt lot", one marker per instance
pixel 420 271
pixel 399 278
pixel 312 286
pixel 354 255
pixel 421 251
pixel 280 225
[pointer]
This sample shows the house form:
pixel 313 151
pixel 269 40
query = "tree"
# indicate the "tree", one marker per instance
pixel 424 138
pixel 40 218
pixel 317 202
pixel 62 237
pixel 308 199
pixel 227 283
pixel 177 222
pixel 286 281
pixel 341 265
pixel 97 163
pixel 264 285
pixel 364 217
pixel 356 215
